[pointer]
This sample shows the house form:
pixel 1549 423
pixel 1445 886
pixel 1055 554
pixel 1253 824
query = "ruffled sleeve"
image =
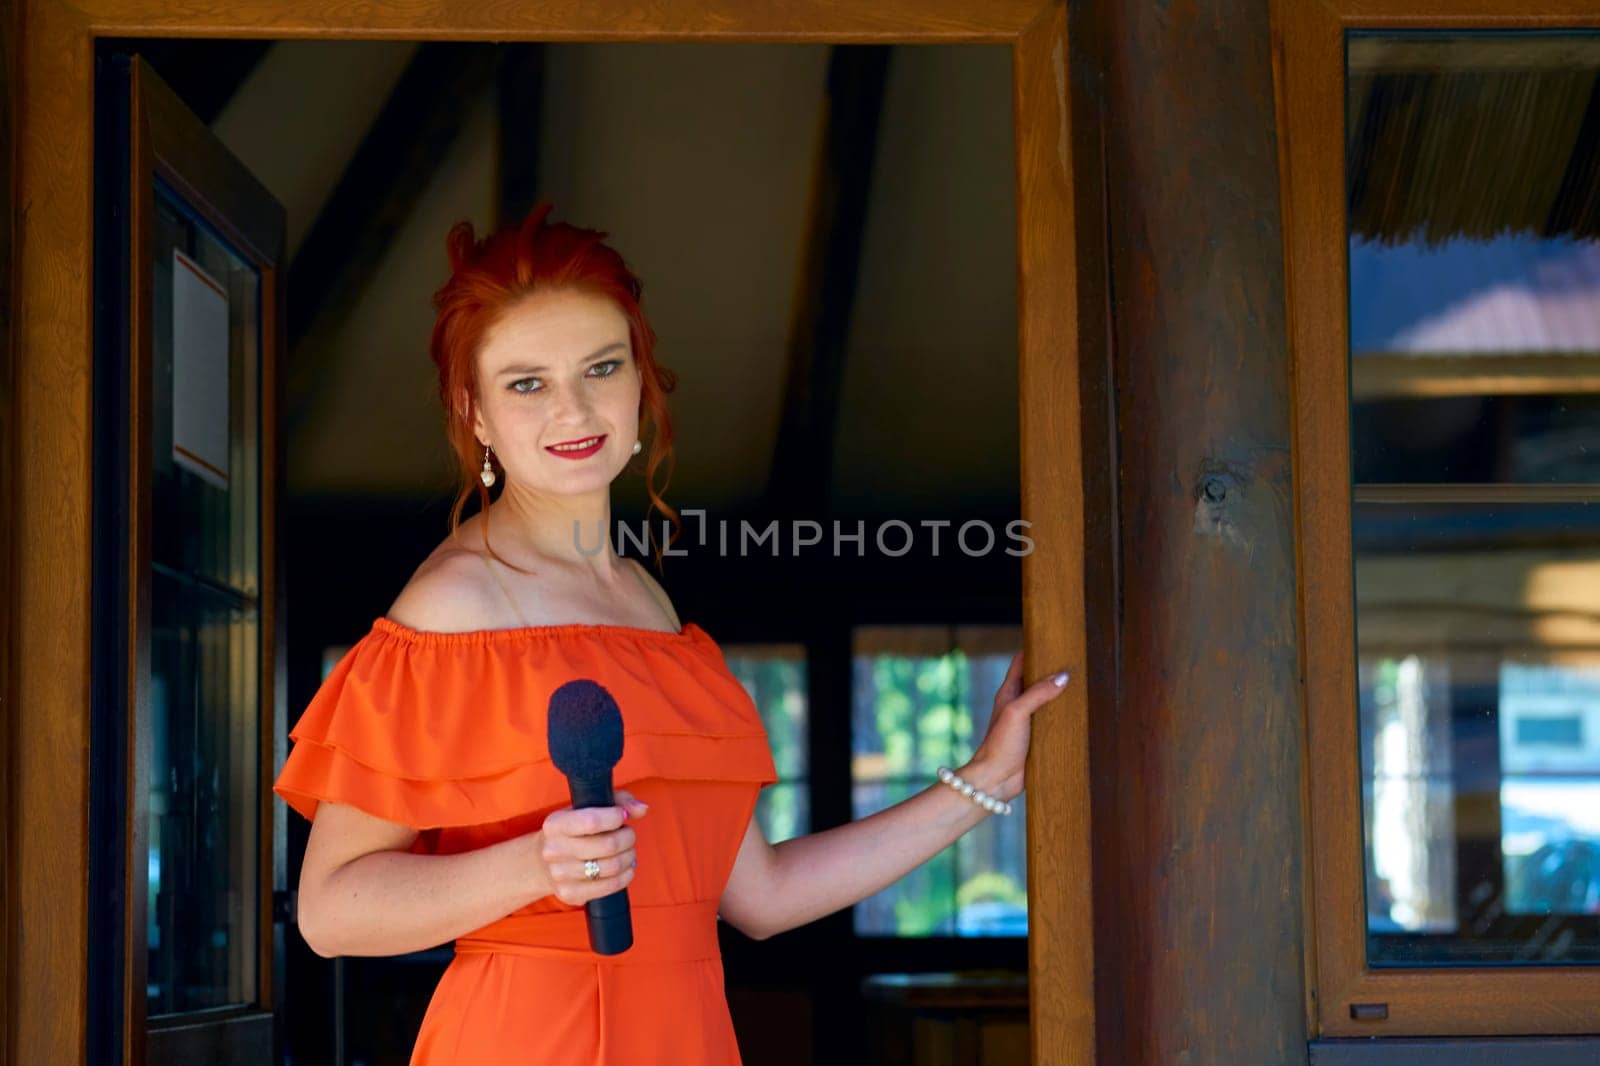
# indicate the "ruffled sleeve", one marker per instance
pixel 448 729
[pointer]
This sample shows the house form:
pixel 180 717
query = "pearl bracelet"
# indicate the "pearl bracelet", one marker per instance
pixel 992 804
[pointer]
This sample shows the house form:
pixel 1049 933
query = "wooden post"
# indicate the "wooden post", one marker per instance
pixel 1197 776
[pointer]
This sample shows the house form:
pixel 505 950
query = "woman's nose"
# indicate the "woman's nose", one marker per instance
pixel 571 405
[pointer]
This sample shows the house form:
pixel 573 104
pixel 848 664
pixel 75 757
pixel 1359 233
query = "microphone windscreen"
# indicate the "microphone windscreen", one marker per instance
pixel 585 730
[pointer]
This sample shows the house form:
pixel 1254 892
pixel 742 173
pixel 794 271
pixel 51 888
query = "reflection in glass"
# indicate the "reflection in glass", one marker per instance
pixel 203 905
pixel 1412 872
pixel 921 699
pixel 1474 209
pixel 1550 787
pixel 775 677
pixel 1467 359
pixel 1474 204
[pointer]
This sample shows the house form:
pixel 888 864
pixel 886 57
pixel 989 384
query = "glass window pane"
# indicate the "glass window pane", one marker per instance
pixel 198 525
pixel 922 903
pixel 775 677
pixel 922 696
pixel 202 917
pixel 1474 204
pixel 783 810
pixel 1474 210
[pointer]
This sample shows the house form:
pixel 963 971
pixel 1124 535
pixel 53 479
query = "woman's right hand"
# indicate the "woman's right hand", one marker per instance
pixel 569 837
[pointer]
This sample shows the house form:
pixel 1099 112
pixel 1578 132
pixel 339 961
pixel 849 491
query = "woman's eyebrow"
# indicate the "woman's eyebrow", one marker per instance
pixel 523 368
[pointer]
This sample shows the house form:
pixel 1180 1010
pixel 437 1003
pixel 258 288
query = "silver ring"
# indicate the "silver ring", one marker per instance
pixel 591 869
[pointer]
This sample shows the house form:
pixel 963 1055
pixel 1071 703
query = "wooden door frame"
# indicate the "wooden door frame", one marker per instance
pixel 10 34
pixel 1062 336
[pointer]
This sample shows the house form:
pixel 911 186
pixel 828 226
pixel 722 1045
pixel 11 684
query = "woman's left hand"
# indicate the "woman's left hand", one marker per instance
pixel 998 762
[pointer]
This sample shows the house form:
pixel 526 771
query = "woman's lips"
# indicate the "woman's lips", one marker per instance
pixel 578 453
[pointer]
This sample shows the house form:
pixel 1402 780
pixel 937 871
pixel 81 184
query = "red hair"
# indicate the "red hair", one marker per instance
pixel 486 277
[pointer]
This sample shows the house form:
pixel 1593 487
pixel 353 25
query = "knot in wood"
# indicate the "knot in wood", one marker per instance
pixel 1217 497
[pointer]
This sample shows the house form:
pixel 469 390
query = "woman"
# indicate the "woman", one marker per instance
pixel 422 760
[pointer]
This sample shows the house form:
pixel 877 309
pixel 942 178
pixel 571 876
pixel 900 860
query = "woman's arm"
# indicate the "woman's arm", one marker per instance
pixel 774 888
pixel 777 887
pixel 363 893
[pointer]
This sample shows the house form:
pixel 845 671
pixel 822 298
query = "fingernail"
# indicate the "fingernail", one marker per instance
pixel 1060 679
pixel 624 814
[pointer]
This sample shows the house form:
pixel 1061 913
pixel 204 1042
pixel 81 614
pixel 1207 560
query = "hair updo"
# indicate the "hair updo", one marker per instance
pixel 486 277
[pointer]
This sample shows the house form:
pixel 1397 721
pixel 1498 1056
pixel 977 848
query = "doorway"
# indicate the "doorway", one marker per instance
pixel 1052 577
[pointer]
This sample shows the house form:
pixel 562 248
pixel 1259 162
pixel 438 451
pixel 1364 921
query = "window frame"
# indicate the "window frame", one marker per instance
pixel 1309 62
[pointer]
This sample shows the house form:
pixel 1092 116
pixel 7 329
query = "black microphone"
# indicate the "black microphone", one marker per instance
pixel 585 733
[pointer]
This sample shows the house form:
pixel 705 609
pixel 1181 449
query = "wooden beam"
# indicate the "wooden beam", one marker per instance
pixel 1197 794
pixel 387 176
pixel 49 418
pixel 519 104
pixel 1068 467
pixel 830 261
pixel 10 34
pixel 796 21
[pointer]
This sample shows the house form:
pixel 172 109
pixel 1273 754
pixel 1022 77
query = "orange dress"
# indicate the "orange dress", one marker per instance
pixel 445 732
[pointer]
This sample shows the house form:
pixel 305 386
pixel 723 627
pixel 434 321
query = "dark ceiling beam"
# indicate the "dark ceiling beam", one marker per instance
pixel 802 467
pixel 519 105
pixel 204 73
pixel 377 192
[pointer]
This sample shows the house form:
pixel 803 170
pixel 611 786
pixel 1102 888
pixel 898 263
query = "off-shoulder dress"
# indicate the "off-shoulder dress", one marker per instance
pixel 445 732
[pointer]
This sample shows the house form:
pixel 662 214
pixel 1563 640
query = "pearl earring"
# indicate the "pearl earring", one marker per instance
pixel 638 446
pixel 486 475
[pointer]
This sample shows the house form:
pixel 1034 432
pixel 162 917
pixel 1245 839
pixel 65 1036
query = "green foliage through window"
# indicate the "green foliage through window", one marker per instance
pixel 919 706
pixel 775 677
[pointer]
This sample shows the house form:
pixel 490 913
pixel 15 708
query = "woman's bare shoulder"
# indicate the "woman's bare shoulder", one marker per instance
pixel 656 590
pixel 452 591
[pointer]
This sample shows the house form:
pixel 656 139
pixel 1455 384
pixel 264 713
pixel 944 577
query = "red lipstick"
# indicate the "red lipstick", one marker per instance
pixel 566 450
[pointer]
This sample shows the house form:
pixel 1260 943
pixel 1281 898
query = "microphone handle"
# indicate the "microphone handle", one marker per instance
pixel 610 922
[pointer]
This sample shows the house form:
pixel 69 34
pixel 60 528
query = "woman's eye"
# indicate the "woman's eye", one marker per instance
pixel 602 370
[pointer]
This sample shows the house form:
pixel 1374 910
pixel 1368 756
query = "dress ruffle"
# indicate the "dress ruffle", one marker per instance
pixel 448 729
